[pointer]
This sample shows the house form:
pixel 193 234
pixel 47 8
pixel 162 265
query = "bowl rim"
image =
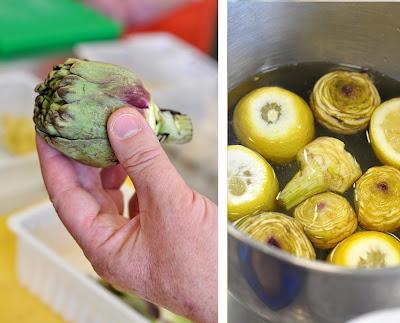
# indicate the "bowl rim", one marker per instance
pixel 306 264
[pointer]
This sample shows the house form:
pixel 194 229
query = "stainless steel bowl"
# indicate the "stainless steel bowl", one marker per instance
pixel 273 284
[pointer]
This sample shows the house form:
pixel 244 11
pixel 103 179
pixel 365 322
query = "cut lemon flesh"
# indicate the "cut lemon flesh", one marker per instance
pixel 274 122
pixel 384 132
pixel 368 249
pixel 252 184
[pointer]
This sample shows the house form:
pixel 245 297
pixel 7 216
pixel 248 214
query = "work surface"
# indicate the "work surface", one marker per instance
pixel 17 305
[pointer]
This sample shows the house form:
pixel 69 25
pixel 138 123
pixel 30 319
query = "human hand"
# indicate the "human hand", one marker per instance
pixel 167 251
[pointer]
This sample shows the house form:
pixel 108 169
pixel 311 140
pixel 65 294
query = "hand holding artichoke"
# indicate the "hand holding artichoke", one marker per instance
pixel 78 96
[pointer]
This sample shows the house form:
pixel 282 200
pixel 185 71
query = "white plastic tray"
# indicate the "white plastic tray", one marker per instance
pixel 52 266
pixel 20 173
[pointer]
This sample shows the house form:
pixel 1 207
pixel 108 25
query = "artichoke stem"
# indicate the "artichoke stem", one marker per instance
pixel 301 187
pixel 174 127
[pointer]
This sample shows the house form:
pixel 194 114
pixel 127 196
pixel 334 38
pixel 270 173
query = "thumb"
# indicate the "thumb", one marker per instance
pixel 139 152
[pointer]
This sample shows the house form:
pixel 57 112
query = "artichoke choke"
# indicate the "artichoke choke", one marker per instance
pixel 377 199
pixel 344 101
pixel 278 230
pixel 78 96
pixel 324 166
pixel 327 219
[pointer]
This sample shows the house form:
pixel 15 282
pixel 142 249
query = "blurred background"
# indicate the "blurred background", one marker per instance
pixel 172 46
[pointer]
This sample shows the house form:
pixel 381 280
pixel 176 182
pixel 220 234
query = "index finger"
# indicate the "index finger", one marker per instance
pixel 76 207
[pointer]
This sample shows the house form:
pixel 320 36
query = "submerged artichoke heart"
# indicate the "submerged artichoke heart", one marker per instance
pixel 278 230
pixel 377 199
pixel 367 249
pixel 252 183
pixel 325 165
pixel 384 132
pixel 78 96
pixel 274 122
pixel 327 219
pixel 344 101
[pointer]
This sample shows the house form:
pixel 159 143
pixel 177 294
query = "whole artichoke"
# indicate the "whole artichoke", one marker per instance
pixel 78 96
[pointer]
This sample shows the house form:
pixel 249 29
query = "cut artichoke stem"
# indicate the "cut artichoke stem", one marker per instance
pixel 271 112
pixel 373 259
pixel 169 125
pixel 302 186
pixel 174 127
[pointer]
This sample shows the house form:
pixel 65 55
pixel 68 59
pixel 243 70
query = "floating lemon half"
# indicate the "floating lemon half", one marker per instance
pixel 384 132
pixel 368 249
pixel 252 184
pixel 274 122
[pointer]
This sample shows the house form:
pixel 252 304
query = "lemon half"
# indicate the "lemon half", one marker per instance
pixel 274 122
pixel 384 132
pixel 252 183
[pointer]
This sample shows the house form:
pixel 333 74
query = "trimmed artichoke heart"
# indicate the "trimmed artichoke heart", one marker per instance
pixel 252 183
pixel 78 96
pixel 325 165
pixel 377 199
pixel 274 122
pixel 384 132
pixel 367 249
pixel 327 219
pixel 278 230
pixel 344 101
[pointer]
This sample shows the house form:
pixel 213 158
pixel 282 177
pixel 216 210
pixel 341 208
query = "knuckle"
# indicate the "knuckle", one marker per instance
pixel 141 159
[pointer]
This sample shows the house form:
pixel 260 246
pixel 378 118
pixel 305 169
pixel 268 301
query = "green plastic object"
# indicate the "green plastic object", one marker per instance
pixel 39 26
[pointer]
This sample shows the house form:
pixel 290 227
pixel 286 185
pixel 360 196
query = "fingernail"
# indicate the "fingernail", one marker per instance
pixel 125 126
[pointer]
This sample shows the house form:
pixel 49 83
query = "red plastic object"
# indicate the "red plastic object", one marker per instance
pixel 195 23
